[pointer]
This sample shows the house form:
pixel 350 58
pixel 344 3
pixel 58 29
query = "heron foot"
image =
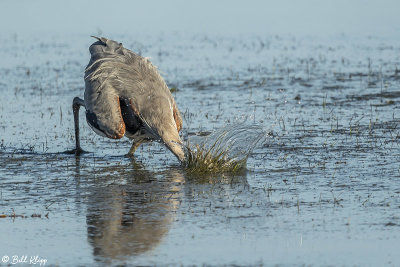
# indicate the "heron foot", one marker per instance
pixel 131 156
pixel 77 151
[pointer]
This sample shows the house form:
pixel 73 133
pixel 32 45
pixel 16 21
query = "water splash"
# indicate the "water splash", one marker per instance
pixel 225 150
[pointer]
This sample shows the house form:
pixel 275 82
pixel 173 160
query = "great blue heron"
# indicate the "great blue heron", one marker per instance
pixel 125 95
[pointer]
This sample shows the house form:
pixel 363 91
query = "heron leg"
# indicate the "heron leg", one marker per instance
pixel 134 146
pixel 76 104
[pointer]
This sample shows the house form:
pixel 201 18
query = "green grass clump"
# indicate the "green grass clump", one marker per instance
pixel 201 159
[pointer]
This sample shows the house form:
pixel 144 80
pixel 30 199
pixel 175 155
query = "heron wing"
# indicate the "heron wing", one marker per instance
pixel 103 111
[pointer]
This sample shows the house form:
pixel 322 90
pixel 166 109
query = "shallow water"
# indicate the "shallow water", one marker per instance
pixel 322 189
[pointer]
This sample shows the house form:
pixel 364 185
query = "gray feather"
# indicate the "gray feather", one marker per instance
pixel 114 71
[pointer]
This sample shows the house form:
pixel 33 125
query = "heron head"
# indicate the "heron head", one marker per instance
pixel 169 136
pixel 159 117
pixel 176 148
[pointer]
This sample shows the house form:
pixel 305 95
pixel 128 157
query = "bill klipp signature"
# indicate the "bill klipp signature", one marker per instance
pixel 24 259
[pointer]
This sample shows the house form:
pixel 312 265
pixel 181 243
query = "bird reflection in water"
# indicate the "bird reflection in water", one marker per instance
pixel 131 216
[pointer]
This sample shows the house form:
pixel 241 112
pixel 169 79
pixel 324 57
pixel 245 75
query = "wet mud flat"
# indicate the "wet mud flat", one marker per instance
pixel 322 189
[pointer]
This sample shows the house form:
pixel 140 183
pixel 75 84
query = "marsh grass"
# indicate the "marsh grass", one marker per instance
pixel 225 151
pixel 215 159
